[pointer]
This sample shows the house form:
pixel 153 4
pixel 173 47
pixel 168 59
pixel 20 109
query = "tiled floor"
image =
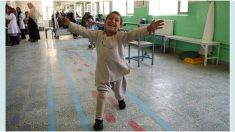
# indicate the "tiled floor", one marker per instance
pixel 50 86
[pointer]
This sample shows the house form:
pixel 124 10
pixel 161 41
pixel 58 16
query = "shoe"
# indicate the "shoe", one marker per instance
pixel 121 104
pixel 34 40
pixel 90 46
pixel 98 126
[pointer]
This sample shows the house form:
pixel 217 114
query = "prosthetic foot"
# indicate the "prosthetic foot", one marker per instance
pixel 98 126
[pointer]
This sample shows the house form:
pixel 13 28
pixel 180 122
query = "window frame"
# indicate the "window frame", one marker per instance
pixel 177 11
pixel 127 13
pixel 104 7
pixel 127 7
pixel 179 7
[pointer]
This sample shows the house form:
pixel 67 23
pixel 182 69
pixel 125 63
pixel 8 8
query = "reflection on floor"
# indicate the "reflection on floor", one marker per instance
pixel 50 86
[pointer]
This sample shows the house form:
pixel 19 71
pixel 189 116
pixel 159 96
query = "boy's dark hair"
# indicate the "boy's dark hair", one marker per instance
pixel 84 18
pixel 115 12
pixel 100 15
pixel 89 17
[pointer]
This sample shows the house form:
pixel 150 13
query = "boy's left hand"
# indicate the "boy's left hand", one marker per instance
pixel 155 25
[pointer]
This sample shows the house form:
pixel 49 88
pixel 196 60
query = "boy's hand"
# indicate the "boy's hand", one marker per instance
pixel 155 25
pixel 65 21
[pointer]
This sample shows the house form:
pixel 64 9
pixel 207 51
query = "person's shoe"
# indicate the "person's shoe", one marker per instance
pixel 121 104
pixel 34 40
pixel 98 126
pixel 90 46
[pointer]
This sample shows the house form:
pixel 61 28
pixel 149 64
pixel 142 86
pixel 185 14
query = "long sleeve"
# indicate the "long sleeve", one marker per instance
pixel 134 34
pixel 78 29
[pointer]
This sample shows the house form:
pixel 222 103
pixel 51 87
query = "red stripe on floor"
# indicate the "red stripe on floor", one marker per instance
pixel 86 65
pixel 110 118
pixel 135 126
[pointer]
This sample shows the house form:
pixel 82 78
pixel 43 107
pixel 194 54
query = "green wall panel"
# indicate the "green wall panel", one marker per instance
pixel 139 13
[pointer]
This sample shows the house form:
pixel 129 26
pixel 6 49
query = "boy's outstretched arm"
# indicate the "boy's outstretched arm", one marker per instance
pixel 65 21
pixel 155 25
pixel 78 29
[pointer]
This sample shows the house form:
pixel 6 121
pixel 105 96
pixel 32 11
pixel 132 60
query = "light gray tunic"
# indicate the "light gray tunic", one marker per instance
pixel 111 64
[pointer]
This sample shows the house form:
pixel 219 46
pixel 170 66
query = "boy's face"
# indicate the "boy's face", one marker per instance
pixel 90 20
pixel 113 23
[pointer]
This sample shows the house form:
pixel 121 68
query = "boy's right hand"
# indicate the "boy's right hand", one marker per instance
pixel 65 21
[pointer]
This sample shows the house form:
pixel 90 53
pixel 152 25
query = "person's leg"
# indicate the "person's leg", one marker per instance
pixel 100 106
pixel 12 39
pixel 90 45
pixel 34 31
pixel 93 43
pixel 119 89
pixel 17 39
pixel 22 33
pixel 30 29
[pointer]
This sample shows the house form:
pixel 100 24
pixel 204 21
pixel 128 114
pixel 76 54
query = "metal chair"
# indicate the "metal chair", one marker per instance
pixel 141 46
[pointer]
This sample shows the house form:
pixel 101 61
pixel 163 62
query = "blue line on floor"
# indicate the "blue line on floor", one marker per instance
pixel 147 110
pixel 11 87
pixel 51 115
pixel 79 109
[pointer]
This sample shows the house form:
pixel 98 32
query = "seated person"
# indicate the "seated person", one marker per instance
pixel 90 24
pixel 100 19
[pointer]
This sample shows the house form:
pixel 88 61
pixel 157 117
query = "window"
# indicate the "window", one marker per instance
pixel 164 7
pixel 124 8
pixel 79 9
pixel 183 6
pixel 88 8
pixel 104 8
pixel 47 9
pixel 93 8
pixel 130 7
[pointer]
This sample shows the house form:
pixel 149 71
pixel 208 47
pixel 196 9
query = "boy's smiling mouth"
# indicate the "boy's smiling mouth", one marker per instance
pixel 111 25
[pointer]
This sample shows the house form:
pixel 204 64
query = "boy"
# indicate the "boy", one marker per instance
pixel 111 66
